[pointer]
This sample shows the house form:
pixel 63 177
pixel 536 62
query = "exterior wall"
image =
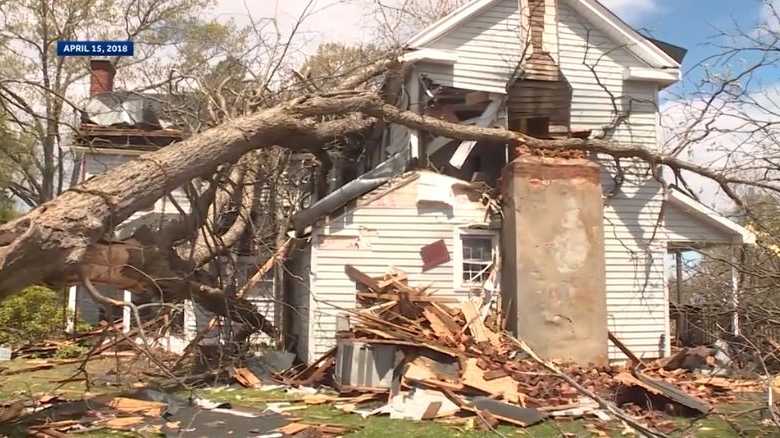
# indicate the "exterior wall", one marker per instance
pixel 379 234
pixel 682 227
pixel 488 48
pixel 634 238
pixel 96 163
pixel 298 287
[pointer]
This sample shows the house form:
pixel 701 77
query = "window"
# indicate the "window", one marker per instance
pixel 475 257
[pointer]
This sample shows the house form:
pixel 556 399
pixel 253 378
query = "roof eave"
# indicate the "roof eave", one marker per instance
pixel 741 234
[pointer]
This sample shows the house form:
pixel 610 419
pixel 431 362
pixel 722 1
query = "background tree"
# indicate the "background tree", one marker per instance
pixel 40 92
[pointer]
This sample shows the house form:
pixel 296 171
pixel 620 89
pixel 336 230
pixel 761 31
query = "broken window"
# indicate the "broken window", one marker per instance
pixel 477 255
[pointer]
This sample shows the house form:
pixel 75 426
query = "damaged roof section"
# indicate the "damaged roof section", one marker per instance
pixel 381 174
pixel 122 119
pixel 432 188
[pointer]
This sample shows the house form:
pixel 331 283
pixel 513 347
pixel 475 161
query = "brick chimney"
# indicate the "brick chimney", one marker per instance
pixel 540 21
pixel 101 76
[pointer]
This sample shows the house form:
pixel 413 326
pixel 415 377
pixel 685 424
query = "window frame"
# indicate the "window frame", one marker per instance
pixel 457 260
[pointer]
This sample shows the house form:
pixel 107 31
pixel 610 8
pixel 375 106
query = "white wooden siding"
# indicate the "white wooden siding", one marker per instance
pixel 374 238
pixel 488 46
pixel 96 163
pixel 683 227
pixel 633 232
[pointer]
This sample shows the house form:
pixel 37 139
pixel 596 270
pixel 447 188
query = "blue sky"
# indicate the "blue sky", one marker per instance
pixel 689 23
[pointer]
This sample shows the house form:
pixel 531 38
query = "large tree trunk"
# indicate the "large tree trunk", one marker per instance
pixel 51 240
pixel 49 243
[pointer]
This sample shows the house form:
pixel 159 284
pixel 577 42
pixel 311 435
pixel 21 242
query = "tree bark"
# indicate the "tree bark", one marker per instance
pixel 52 239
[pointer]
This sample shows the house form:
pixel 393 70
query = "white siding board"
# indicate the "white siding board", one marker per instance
pixel 488 47
pixel 395 238
pixel 682 227
pixel 634 265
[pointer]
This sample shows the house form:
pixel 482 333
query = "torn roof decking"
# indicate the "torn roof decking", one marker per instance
pixel 100 137
pixel 362 187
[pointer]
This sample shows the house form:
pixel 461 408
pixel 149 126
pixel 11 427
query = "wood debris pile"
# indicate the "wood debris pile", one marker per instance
pixel 454 358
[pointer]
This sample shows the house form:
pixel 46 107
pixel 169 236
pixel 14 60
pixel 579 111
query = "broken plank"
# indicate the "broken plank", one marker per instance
pixel 445 318
pixel 293 428
pixel 359 277
pixel 123 422
pixel 509 413
pixel 505 387
pixel 622 347
pixel 137 407
pixel 664 389
pixel 246 378
pixel 414 298
pixel 437 325
pixel 495 374
pixel 474 321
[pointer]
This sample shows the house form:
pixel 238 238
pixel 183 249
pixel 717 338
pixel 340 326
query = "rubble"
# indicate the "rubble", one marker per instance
pixel 454 358
pixel 406 353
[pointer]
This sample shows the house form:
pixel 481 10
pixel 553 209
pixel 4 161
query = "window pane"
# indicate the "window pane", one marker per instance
pixel 477 248
pixel 477 257
pixel 475 273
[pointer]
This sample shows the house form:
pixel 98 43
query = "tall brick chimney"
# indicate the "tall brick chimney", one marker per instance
pixel 540 21
pixel 101 76
pixel 553 279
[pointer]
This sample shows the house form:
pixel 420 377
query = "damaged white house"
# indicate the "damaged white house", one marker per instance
pixel 580 244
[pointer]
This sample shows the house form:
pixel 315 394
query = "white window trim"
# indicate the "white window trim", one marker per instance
pixel 457 258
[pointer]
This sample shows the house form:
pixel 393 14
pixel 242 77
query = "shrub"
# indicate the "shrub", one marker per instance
pixel 31 315
pixel 70 351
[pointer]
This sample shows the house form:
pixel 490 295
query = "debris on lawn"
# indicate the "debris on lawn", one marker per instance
pixel 430 357
pixel 406 353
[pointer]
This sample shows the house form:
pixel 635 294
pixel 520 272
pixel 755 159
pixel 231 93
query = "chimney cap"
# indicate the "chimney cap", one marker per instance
pixel 101 63
pixel 102 73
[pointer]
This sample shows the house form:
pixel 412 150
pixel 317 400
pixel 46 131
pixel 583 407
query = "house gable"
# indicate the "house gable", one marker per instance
pixel 601 17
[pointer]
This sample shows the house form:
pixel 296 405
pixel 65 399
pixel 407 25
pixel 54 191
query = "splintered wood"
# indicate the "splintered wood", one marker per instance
pixel 246 378
pixel 458 353
pixel 470 354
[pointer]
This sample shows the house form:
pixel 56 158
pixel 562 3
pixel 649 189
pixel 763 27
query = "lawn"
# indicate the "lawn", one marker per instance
pixel 105 380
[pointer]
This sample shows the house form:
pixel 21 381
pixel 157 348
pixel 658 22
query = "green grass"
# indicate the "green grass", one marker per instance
pixel 105 382
pixel 383 426
pixel 102 373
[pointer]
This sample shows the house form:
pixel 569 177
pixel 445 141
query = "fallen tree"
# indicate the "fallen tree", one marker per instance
pixel 72 233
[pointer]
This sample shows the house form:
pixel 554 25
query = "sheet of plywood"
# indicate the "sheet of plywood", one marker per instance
pixel 476 325
pixel 504 387
pixel 437 325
